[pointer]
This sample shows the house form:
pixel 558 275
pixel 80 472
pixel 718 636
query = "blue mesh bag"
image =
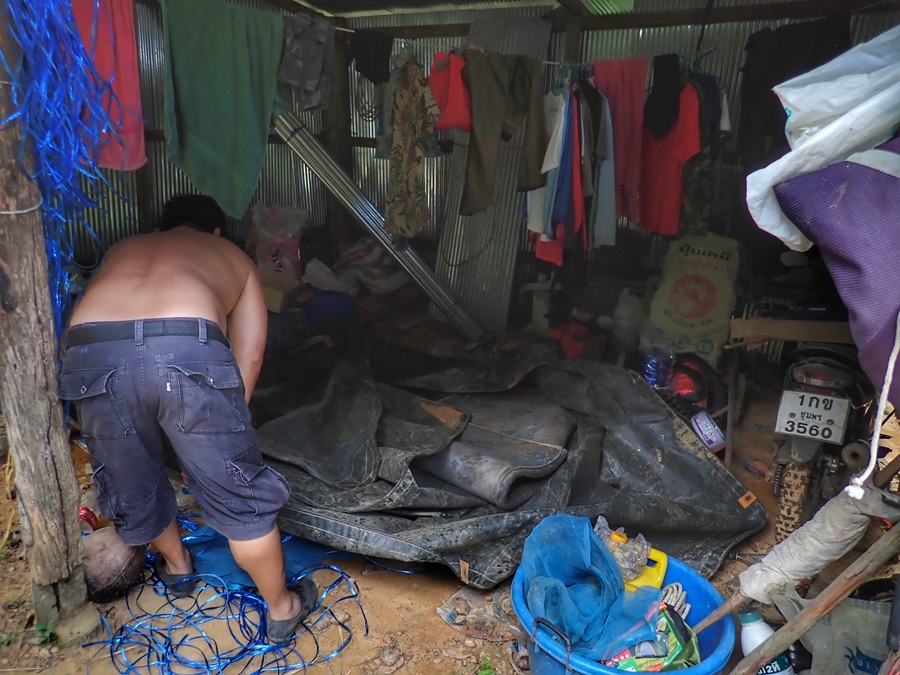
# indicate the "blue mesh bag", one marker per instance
pixel 573 581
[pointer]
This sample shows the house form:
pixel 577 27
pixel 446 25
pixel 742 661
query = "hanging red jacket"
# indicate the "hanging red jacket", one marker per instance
pixel 662 160
pixel 450 93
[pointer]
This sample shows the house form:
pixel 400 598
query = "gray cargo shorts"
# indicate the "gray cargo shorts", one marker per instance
pixel 133 384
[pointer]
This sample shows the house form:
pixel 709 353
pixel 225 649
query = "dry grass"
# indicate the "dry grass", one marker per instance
pixel 8 478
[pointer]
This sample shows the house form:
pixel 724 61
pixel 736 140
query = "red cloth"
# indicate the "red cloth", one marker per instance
pixel 115 57
pixel 624 84
pixel 573 338
pixel 550 251
pixel 450 92
pixel 663 158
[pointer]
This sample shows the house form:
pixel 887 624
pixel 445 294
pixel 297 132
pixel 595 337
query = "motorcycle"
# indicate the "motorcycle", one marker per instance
pixel 825 421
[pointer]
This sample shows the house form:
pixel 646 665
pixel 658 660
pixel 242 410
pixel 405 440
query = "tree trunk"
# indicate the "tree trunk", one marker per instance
pixel 46 486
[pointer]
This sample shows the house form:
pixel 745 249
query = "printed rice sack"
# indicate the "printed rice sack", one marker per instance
pixel 691 310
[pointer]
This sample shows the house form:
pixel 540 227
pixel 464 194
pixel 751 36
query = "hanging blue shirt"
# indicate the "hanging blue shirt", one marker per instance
pixel 553 176
pixel 562 201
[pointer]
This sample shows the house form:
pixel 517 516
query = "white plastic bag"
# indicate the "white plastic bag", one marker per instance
pixel 319 275
pixel 274 238
pixel 368 264
pixel 848 105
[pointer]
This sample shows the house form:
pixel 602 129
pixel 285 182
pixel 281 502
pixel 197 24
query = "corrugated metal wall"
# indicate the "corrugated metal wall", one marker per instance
pixel 477 253
pixel 726 42
pixel 284 179
pixel 370 172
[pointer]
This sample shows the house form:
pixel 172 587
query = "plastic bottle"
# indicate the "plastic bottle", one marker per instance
pixel 753 632
pixel 628 318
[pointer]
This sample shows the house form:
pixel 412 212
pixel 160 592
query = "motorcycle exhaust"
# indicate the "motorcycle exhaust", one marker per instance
pixel 855 456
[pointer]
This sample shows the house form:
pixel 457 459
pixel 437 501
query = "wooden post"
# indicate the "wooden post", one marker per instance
pixel 731 370
pixel 573 39
pixel 891 663
pixel 849 580
pixel 46 488
pixel 734 604
pixel 336 128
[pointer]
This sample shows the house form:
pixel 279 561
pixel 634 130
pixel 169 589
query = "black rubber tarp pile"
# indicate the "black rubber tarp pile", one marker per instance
pixel 457 467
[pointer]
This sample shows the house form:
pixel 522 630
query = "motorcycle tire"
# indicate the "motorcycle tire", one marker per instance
pixel 793 499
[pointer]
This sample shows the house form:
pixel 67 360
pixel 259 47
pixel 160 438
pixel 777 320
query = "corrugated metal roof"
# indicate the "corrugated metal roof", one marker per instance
pixel 609 6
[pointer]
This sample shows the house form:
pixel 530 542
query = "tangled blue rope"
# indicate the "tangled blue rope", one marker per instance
pixel 62 105
pixel 175 638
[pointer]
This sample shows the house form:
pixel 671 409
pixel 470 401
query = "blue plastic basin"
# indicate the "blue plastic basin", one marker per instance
pixel 547 654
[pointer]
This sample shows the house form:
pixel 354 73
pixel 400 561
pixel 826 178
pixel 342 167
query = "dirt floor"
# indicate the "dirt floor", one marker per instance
pixel 406 634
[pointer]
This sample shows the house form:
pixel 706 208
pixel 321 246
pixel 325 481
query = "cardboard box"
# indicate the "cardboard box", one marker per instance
pixel 281 291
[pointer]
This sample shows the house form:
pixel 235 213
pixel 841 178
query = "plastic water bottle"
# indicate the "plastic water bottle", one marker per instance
pixel 753 632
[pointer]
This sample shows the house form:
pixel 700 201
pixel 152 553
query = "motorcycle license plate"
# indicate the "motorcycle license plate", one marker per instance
pixel 815 416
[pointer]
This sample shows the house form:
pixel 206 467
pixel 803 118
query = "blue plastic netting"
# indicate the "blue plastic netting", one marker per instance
pixel 573 581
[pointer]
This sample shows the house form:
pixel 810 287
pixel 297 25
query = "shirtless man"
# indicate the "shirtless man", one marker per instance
pixel 137 370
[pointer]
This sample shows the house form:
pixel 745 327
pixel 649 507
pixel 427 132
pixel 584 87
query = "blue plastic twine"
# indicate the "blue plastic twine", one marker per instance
pixel 57 98
pixel 174 638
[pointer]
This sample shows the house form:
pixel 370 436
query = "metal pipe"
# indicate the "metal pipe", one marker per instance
pixel 308 148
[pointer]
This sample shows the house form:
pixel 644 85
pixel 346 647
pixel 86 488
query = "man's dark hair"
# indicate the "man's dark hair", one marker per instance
pixel 198 212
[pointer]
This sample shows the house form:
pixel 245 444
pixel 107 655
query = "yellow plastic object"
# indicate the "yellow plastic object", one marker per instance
pixel 654 572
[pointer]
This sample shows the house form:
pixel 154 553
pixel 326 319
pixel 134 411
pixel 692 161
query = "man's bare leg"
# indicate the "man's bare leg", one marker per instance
pixel 263 560
pixel 172 550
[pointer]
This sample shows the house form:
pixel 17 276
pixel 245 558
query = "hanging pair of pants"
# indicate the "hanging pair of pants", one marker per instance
pixel 505 90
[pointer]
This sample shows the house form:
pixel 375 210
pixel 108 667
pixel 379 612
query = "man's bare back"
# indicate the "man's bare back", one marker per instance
pixel 182 273
pixel 177 273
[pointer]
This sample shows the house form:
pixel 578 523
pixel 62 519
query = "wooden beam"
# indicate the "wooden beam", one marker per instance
pixel 757 330
pixel 575 7
pixel 798 9
pixel 795 9
pixel 734 604
pixel 416 32
pixel 573 38
pixel 849 580
pixel 336 131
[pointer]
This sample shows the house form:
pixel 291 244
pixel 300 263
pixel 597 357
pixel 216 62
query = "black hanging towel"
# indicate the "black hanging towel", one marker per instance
pixel 663 103
pixel 371 50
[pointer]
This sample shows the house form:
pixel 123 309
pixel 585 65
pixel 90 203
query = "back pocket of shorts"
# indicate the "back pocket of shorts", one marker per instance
pixel 209 398
pixel 101 410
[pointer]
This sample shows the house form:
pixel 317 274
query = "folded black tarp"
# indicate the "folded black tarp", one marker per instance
pixel 462 480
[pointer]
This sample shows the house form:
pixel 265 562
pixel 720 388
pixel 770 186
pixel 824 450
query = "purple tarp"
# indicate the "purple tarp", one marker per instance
pixel 851 211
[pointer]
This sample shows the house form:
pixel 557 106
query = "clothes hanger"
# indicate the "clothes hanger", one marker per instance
pixel 562 79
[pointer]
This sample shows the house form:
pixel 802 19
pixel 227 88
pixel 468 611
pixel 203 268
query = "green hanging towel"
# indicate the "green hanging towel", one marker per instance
pixel 221 76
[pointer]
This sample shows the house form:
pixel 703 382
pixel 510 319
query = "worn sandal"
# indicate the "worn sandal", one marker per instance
pixel 179 585
pixel 279 632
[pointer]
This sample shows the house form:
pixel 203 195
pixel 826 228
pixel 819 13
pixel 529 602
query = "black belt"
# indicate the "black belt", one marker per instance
pixel 125 330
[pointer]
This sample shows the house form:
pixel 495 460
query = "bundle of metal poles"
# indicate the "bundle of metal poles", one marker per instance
pixel 308 148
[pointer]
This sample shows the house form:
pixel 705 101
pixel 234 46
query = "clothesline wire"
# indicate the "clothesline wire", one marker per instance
pixel 433 46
